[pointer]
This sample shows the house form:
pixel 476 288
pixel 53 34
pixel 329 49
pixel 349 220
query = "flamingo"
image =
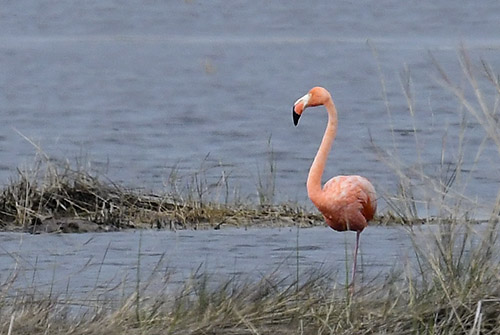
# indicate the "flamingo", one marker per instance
pixel 346 202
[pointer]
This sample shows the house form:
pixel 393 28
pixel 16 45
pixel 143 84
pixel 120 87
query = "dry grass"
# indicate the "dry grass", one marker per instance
pixel 441 193
pixel 54 197
pixel 452 288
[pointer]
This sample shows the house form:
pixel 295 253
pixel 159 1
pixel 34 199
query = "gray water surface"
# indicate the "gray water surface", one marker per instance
pixel 137 90
pixel 77 265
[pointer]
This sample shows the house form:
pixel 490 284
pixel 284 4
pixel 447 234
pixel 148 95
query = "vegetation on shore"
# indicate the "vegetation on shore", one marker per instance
pixel 55 198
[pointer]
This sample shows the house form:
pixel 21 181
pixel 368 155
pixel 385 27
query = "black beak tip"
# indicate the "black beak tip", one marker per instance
pixel 296 117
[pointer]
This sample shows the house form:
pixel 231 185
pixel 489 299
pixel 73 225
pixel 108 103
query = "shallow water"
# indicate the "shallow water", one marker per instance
pixel 78 265
pixel 137 90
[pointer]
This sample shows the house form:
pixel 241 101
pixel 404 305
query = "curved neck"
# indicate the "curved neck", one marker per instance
pixel 314 189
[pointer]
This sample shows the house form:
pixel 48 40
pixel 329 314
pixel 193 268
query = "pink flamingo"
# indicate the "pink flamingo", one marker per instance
pixel 346 202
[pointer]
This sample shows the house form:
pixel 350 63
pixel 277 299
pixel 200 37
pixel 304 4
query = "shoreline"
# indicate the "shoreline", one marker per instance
pixel 60 199
pixel 259 220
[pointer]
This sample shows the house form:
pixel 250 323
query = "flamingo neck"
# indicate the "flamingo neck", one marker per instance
pixel 314 188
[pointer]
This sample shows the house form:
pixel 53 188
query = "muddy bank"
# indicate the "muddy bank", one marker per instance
pixel 258 220
pixel 81 225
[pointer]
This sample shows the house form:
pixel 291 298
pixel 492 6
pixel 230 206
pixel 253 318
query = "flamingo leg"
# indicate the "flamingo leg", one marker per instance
pixel 355 260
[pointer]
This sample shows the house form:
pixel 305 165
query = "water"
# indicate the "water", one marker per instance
pixel 91 265
pixel 139 89
pixel 77 265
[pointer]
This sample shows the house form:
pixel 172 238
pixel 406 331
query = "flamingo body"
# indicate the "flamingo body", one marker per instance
pixel 346 202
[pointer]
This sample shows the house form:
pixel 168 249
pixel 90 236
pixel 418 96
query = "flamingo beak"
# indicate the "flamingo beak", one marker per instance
pixel 298 108
pixel 296 117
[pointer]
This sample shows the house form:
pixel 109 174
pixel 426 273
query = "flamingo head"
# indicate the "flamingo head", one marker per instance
pixel 317 96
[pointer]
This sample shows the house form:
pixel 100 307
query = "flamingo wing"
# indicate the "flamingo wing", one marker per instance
pixel 349 202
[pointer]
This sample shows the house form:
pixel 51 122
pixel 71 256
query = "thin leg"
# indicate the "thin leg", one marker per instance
pixel 355 261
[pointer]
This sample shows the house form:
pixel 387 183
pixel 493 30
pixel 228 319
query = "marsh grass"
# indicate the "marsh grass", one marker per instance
pixel 55 196
pixel 266 181
pixel 452 287
pixel 433 194
pixel 457 266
